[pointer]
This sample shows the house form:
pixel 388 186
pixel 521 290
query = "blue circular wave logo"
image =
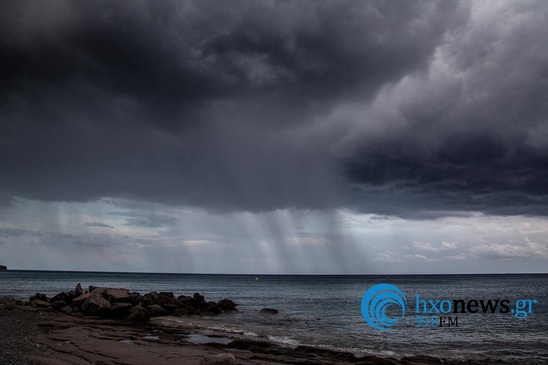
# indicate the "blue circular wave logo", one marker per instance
pixel 377 300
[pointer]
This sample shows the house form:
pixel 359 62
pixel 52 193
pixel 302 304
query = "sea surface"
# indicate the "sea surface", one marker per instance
pixel 325 311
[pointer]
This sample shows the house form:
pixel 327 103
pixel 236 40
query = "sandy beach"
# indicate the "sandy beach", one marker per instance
pixel 36 336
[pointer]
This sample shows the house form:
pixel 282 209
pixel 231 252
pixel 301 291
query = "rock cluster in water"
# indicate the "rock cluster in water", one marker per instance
pixel 121 303
pixel 2 267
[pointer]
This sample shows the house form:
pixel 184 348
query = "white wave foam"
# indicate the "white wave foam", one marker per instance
pixel 284 340
pixel 236 331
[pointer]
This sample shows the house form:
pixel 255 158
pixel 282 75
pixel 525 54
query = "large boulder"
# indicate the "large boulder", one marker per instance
pixel 119 310
pixel 139 314
pixel 78 301
pixel 118 295
pixel 169 302
pixel 39 296
pixel 135 298
pixel 150 299
pixel 58 304
pixel 156 311
pixel 200 298
pixel 98 289
pixel 37 303
pixel 213 308
pixel 191 304
pixel 66 297
pixel 172 306
pixel 95 305
pixel 227 305
pixel 166 294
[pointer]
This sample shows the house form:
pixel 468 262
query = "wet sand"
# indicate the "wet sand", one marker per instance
pixel 33 336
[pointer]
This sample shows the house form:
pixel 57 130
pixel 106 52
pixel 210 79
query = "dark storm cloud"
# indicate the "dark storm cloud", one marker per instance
pixel 233 105
pixel 465 173
pixel 475 138
pixel 170 58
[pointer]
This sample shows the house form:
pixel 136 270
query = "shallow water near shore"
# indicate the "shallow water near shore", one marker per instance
pixel 325 310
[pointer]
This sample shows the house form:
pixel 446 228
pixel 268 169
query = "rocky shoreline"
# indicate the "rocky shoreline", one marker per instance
pixel 109 326
pixel 120 303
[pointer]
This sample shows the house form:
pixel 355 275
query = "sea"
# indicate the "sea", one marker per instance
pixel 326 311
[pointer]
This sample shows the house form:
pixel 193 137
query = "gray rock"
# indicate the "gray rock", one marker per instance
pixel 77 302
pixel 118 295
pixel 135 298
pixel 214 308
pixel 269 311
pixel 39 296
pixel 139 314
pixel 151 298
pixel 58 304
pixel 191 304
pixel 78 289
pixel 37 303
pixel 120 310
pixel 227 305
pixel 219 359
pixel 156 311
pixel 66 297
pixel 200 298
pixel 98 290
pixel 95 305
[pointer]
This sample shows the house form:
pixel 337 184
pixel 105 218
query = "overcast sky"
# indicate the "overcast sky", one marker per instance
pixel 274 136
